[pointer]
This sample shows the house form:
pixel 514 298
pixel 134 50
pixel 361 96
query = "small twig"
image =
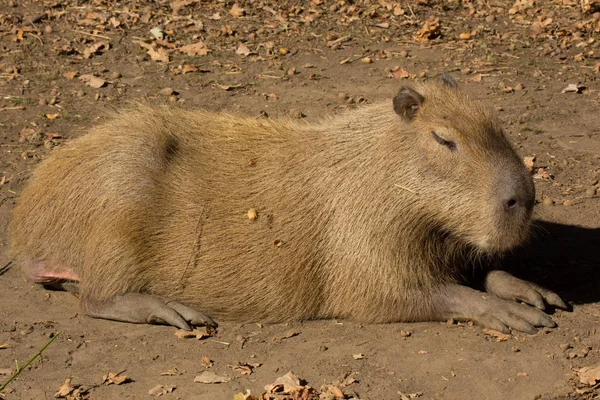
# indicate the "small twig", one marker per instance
pixel 411 10
pixel 5 269
pixel 36 355
pixel 405 188
pixel 91 34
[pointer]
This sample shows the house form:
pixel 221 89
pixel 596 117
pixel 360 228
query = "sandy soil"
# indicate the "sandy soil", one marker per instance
pixel 291 58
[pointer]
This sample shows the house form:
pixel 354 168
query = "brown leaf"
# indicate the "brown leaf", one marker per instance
pixel 288 334
pixel 196 49
pixel 115 379
pixel 92 81
pixel 500 337
pixel 160 390
pixel 588 375
pixel 430 30
pixel 210 377
pixel 245 368
pixel 171 372
pixel 189 68
pixel 52 116
pixel 529 161
pixel 95 48
pixel 206 362
pixel 237 11
pixel 70 74
pixel 242 50
pixel 285 384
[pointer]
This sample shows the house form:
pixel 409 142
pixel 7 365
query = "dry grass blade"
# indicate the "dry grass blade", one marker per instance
pixel 36 355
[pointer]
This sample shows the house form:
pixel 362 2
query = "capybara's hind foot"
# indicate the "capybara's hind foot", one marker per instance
pixel 141 308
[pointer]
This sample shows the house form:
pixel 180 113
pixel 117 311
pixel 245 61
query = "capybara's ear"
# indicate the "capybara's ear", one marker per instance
pixel 407 102
pixel 449 81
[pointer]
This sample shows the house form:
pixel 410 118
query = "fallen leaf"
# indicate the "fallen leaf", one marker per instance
pixel 236 11
pixel 245 368
pixel 92 81
pixel 52 116
pixel 210 377
pixel 95 48
pixel 196 49
pixel 421 352
pixel 64 390
pixel 541 173
pixel 206 362
pixel 231 87
pixel 573 88
pixel 430 30
pixel 70 74
pixel 171 372
pixel 160 390
pixel 242 50
pixel 529 161
pixel 115 379
pixel 244 396
pixel 284 384
pixel 287 335
pixel 588 375
pixel 188 68
pixel 252 214
pixel 500 337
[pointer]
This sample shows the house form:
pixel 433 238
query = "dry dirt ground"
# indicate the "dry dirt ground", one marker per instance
pixel 64 64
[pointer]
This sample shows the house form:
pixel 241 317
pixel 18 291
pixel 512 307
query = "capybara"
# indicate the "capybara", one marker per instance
pixel 378 214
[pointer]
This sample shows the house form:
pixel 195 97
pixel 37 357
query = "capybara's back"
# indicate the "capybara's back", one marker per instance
pixel 171 216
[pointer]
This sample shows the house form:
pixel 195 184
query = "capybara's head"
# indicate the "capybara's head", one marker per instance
pixel 472 183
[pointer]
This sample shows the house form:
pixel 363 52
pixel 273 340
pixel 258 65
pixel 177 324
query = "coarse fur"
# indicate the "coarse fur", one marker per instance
pixel 361 216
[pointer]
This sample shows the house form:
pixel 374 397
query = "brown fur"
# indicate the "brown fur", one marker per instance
pixel 372 215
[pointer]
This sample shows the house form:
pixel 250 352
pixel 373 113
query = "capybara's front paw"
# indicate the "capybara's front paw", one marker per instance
pixel 505 286
pixel 144 308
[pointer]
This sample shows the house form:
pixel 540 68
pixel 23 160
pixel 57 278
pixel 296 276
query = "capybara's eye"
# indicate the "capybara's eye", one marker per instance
pixel 448 143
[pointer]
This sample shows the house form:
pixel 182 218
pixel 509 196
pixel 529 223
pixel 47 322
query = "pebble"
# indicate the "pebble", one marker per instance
pixel 80 93
pixel 490 19
pixel 464 36
pixel 519 86
pixel 172 99
pixel 342 96
pixel 48 29
pixel 590 192
pixel 568 203
pixel 515 349
pixel 405 333
pixel 547 201
pixel 115 75
pixel 52 100
pixel 42 102
pixel 297 114
pixel 565 346
pixel 166 91
pixel 323 348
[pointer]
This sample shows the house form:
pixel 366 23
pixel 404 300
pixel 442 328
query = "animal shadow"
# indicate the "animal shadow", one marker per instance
pixel 563 258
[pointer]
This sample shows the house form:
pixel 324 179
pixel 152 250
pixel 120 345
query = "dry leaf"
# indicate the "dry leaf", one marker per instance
pixel 500 337
pixel 573 88
pixel 196 49
pixel 65 389
pixel 252 214
pixel 159 390
pixel 92 81
pixel 285 384
pixel 70 74
pixel 171 372
pixel 242 50
pixel 188 68
pixel 588 375
pixel 430 30
pixel 422 352
pixel 237 11
pixel 210 377
pixel 95 48
pixel 159 54
pixel 245 368
pixel 52 116
pixel 206 362
pixel 288 334
pixel 115 379
pixel 529 161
